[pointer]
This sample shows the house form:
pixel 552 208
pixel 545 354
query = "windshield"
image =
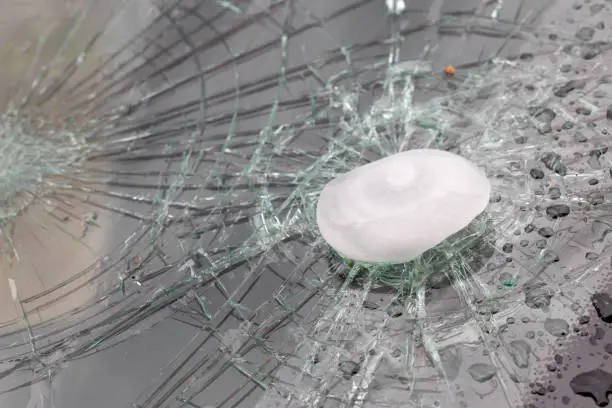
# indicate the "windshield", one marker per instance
pixel 161 167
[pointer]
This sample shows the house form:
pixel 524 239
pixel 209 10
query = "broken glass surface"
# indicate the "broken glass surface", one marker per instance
pixel 161 167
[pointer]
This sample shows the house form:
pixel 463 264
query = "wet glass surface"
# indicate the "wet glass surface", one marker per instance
pixel 161 164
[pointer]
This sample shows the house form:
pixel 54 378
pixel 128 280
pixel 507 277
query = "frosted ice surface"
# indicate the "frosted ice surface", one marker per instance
pixel 394 209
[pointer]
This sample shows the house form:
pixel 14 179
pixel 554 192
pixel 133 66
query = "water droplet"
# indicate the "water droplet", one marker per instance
pixel 556 327
pixel 519 351
pixel 585 34
pixel 557 211
pixel 482 372
pixel 595 384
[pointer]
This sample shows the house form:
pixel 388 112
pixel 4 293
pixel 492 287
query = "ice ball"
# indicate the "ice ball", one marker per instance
pixel 394 209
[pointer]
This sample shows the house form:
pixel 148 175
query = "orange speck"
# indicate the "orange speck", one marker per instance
pixel 449 70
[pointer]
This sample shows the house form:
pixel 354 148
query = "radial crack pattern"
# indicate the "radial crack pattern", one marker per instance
pixel 186 157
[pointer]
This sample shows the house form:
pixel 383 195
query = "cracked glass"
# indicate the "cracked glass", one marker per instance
pixel 161 166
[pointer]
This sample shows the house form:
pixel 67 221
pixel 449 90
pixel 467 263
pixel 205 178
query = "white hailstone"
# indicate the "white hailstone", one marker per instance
pixel 394 209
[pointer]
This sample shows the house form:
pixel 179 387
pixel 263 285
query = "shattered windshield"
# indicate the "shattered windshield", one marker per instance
pixel 162 162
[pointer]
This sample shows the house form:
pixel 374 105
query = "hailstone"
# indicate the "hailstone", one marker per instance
pixel 394 209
